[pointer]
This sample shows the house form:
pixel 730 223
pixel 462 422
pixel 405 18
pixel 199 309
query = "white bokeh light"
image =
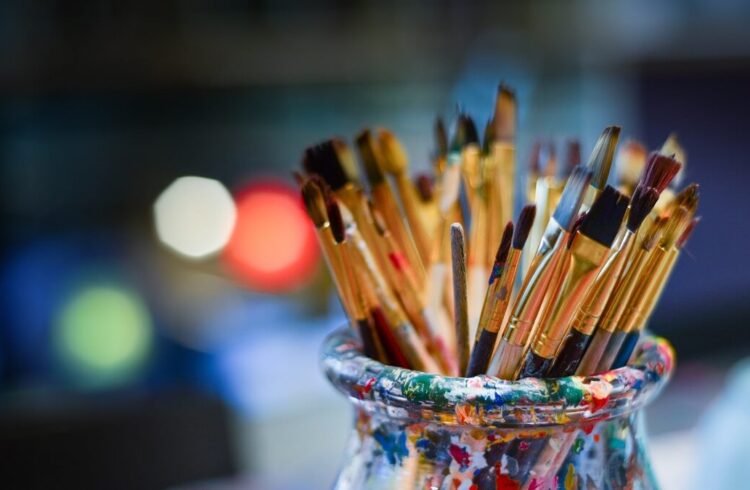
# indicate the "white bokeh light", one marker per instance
pixel 195 216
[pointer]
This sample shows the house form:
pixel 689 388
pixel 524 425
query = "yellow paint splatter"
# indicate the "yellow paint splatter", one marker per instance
pixel 571 483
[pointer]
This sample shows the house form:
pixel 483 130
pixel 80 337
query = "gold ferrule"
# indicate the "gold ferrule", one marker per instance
pixel 503 293
pixel 656 263
pixel 579 270
pixel 550 238
pixel 655 292
pixel 593 305
pixel 532 294
pixel 623 291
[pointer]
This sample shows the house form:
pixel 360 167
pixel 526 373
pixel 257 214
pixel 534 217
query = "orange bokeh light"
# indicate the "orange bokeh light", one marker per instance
pixel 273 246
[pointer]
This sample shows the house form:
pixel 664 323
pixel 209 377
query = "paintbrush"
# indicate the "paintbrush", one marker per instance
pixel 542 168
pixel 600 163
pixel 653 294
pixel 509 353
pixel 501 166
pixel 396 164
pixel 461 318
pixel 484 338
pixel 657 261
pixel 409 342
pixel 500 291
pixel 588 250
pixel 405 285
pixel 660 170
pixel 384 199
pixel 427 207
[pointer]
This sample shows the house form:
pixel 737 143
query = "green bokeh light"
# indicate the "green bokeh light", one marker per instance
pixel 104 334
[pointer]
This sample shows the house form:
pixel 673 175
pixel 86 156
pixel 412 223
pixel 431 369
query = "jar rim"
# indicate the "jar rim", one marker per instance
pixel 486 400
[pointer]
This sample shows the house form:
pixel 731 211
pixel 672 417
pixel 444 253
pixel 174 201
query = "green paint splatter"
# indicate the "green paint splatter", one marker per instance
pixel 569 391
pixel 578 446
pixel 426 387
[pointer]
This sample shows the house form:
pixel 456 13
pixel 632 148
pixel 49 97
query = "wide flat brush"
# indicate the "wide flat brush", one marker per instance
pixel 588 250
pixel 508 356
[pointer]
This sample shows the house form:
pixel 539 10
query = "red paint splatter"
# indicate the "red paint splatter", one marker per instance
pixel 491 437
pixel 523 446
pixel 597 437
pixel 536 484
pixel 400 263
pixel 456 483
pixel 461 455
pixel 366 389
pixel 598 403
pixel 587 428
pixel 368 386
pixel 504 482
pixel 474 487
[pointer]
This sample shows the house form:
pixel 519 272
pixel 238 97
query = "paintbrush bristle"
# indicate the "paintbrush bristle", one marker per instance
pixel 336 220
pixel 688 197
pixel 672 146
pixel 688 231
pixel 643 201
pixel 441 137
pixel 504 248
pixel 676 224
pixel 315 202
pixel 395 160
pixel 504 118
pixel 572 196
pixel 605 216
pixel 601 158
pixel 660 170
pixel 470 131
pixel 523 227
pixel 332 160
pixel 370 156
pixel 576 226
pixel 424 186
pixel 488 137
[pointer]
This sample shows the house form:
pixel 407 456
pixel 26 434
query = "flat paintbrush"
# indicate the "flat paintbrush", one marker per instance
pixel 509 353
pixel 600 163
pixel 501 165
pixel 588 250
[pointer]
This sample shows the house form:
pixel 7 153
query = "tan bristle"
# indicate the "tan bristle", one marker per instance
pixel 315 203
pixel 395 160
pixel 336 221
pixel 505 115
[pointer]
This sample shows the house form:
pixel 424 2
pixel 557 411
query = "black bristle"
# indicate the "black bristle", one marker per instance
pixel 504 247
pixel 323 160
pixel 605 216
pixel 523 227
pixel 441 137
pixel 643 201
pixel 336 221
pixel 471 136
pixel 488 137
pixel 572 196
pixel 660 170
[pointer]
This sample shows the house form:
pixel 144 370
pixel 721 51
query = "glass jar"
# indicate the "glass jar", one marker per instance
pixel 425 431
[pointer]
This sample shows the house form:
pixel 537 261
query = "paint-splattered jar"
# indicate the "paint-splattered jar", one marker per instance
pixel 423 431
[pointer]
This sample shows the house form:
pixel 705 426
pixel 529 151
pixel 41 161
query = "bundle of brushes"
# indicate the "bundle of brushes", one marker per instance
pixel 435 276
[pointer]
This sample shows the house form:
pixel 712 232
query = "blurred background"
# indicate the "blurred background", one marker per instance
pixel 163 300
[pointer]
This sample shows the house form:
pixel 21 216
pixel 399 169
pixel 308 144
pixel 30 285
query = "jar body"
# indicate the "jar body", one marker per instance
pixel 385 453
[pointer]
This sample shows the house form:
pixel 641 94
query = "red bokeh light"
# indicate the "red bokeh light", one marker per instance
pixel 273 246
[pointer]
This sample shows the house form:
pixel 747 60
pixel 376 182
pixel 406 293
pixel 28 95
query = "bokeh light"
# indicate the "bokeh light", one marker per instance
pixel 195 216
pixel 104 334
pixel 273 247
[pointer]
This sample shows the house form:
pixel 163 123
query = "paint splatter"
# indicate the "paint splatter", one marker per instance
pixel 523 445
pixel 504 482
pixel 578 446
pixel 571 482
pixel 461 455
pixel 394 446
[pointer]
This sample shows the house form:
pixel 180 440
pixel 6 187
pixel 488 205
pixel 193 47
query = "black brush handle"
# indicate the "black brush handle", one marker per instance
pixel 535 366
pixel 628 346
pixel 611 351
pixel 368 340
pixel 480 355
pixel 570 354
